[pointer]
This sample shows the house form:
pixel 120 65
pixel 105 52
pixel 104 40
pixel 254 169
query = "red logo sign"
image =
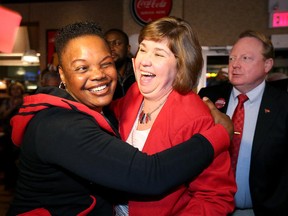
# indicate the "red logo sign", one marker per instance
pixel 145 11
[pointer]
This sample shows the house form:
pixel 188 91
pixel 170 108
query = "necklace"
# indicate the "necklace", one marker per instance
pixel 145 117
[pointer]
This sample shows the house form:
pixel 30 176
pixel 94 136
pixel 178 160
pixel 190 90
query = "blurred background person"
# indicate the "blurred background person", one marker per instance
pixel 8 109
pixel 276 76
pixel 49 78
pixel 221 77
pixel 118 42
pixel 279 80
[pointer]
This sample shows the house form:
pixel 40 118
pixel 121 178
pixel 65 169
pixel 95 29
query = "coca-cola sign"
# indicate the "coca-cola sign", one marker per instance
pixel 145 11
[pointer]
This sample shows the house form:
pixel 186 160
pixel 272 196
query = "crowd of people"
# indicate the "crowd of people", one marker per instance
pixel 113 134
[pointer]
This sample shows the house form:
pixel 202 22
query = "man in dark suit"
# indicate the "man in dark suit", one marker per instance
pixel 262 165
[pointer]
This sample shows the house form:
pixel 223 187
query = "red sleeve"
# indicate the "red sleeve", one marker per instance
pixel 218 137
pixel 212 193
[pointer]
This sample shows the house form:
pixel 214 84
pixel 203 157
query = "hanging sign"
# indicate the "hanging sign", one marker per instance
pixel 9 25
pixel 145 11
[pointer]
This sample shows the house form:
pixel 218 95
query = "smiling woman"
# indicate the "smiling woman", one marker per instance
pixel 166 67
pixel 88 75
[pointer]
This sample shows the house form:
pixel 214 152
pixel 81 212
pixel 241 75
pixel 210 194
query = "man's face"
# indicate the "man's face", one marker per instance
pixel 119 49
pixel 247 65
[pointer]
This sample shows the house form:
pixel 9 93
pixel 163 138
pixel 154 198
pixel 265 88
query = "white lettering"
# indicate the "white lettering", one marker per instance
pixel 151 4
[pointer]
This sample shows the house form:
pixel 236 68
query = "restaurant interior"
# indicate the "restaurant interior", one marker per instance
pixel 218 24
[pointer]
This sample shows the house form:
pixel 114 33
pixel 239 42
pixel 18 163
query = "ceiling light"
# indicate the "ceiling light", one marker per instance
pixel 30 56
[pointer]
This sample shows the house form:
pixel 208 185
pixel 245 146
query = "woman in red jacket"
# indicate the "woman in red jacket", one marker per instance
pixel 162 107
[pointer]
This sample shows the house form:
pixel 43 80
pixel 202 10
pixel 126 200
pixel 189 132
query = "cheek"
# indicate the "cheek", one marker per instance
pixel 112 73
pixel 137 61
pixel 166 75
pixel 75 81
pixel 137 66
pixel 78 79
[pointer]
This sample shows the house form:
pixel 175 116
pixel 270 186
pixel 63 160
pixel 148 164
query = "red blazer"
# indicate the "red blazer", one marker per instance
pixel 212 192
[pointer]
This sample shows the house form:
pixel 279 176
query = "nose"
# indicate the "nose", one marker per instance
pixel 97 74
pixel 112 47
pixel 235 62
pixel 146 59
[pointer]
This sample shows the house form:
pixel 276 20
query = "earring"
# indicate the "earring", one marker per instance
pixel 62 85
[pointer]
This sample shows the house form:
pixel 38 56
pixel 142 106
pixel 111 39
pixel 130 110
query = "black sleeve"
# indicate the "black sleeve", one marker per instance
pixel 77 143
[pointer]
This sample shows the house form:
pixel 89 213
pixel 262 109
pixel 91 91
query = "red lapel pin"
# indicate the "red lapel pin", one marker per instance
pixel 220 103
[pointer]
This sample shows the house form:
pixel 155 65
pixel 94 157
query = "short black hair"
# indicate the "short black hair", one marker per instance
pixel 74 30
pixel 119 31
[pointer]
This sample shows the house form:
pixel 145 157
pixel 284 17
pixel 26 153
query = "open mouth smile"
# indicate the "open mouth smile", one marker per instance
pixel 98 89
pixel 147 74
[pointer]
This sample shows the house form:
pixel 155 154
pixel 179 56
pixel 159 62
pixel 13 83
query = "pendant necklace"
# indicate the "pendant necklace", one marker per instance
pixel 145 117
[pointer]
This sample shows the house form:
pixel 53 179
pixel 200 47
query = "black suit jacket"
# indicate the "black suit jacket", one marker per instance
pixel 282 84
pixel 269 161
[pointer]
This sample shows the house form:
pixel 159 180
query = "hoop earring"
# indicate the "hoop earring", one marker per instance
pixel 62 85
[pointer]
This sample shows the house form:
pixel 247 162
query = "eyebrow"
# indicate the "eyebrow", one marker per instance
pixel 157 48
pixel 106 57
pixel 103 59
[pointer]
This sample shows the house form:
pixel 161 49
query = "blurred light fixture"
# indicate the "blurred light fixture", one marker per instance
pixel 30 56
pixel 3 84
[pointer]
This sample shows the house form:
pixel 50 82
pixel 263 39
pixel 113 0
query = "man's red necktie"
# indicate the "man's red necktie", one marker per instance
pixel 238 121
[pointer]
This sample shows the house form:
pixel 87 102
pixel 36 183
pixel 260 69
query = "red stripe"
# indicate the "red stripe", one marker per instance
pixel 88 210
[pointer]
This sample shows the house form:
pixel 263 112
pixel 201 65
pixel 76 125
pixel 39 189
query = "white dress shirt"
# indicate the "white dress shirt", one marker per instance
pixel 251 107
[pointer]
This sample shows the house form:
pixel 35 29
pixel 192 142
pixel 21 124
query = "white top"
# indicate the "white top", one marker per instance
pixel 243 195
pixel 137 138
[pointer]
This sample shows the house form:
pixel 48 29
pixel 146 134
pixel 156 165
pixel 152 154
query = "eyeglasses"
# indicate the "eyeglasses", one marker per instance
pixel 115 43
pixel 242 58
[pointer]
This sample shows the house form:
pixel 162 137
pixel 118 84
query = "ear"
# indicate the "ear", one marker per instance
pixel 62 76
pixel 268 64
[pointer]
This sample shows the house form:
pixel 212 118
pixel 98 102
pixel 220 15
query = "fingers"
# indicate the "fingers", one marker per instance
pixel 219 117
pixel 209 103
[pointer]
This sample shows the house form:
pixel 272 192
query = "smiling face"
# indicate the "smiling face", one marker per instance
pixel 247 65
pixel 88 71
pixel 155 69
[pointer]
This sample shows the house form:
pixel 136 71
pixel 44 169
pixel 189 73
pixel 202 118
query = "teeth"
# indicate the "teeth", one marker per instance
pixel 98 88
pixel 147 74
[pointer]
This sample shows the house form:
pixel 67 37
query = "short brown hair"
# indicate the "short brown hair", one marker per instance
pixel 183 43
pixel 268 49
